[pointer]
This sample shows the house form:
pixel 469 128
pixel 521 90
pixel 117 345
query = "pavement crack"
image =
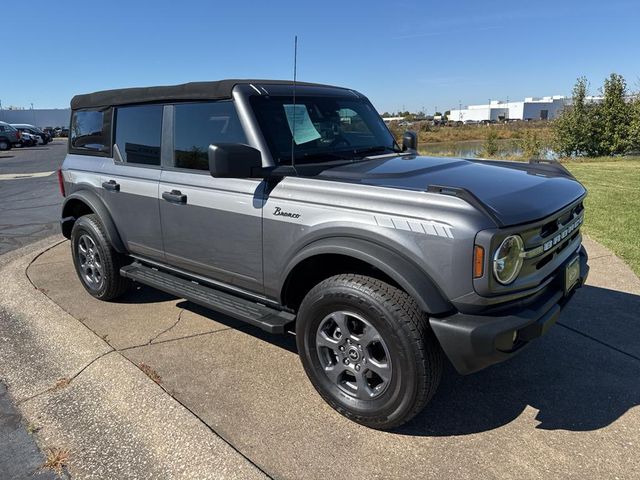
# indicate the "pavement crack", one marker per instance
pixel 65 381
pixel 605 344
pixel 168 328
pixel 160 342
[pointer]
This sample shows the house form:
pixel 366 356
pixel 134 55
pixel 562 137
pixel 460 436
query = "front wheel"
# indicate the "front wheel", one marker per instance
pixel 97 263
pixel 368 350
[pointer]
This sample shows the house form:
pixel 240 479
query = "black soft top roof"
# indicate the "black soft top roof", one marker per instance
pixel 186 91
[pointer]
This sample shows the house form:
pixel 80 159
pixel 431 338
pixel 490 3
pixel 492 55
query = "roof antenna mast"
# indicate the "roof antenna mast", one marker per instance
pixel 293 130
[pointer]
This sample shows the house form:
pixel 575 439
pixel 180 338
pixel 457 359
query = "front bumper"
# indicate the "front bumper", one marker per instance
pixel 473 342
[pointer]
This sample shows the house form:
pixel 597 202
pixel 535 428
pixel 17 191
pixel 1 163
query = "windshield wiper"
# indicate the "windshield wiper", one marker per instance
pixel 379 148
pixel 321 155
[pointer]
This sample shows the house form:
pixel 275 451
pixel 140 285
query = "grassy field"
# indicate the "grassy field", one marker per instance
pixel 462 133
pixel 613 204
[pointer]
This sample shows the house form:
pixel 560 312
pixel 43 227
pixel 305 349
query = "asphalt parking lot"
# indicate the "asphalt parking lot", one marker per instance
pixel 29 196
pixel 565 408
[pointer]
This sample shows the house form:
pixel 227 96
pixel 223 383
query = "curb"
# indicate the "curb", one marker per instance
pixel 89 399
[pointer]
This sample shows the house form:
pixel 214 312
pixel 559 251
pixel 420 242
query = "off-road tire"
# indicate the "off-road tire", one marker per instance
pixel 113 284
pixel 415 356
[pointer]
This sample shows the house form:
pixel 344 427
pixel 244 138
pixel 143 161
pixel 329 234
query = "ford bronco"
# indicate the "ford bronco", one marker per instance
pixel 292 207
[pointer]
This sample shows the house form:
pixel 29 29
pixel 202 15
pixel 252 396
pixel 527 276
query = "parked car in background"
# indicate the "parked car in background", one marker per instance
pixel 51 131
pixel 26 139
pixel 64 132
pixel 41 137
pixel 9 136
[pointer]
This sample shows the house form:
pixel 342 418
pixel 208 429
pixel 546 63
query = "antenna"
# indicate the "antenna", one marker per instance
pixel 293 130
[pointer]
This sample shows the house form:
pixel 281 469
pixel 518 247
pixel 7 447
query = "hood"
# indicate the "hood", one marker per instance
pixel 513 192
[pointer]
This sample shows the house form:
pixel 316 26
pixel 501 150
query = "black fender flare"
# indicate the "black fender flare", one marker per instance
pixel 98 207
pixel 405 273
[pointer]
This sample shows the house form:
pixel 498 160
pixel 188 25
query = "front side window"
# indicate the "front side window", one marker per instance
pixel 321 128
pixel 88 131
pixel 138 134
pixel 198 125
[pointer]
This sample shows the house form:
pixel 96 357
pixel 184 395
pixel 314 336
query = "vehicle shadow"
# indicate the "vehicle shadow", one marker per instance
pixel 143 294
pixel 583 375
pixel 286 341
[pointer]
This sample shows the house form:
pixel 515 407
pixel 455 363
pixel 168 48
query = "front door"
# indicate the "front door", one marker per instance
pixel 211 226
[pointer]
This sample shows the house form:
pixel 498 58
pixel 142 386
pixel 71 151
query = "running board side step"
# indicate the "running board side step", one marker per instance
pixel 256 314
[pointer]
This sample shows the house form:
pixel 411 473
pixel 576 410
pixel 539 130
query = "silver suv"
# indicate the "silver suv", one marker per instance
pixel 292 207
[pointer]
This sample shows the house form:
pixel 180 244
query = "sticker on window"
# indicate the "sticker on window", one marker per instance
pixel 300 124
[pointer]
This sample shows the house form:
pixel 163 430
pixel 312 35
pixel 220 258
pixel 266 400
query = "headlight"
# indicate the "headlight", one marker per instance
pixel 507 261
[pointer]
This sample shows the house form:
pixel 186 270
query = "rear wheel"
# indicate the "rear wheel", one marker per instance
pixel 97 263
pixel 4 144
pixel 368 350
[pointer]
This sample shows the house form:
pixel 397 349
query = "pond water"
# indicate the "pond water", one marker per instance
pixel 473 149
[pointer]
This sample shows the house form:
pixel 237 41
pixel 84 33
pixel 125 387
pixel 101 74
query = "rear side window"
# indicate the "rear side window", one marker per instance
pixel 197 125
pixel 138 134
pixel 90 131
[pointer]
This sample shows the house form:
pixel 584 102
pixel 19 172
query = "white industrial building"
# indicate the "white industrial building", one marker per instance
pixel 41 118
pixel 544 108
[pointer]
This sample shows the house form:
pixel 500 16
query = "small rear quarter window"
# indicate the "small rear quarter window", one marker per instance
pixel 88 131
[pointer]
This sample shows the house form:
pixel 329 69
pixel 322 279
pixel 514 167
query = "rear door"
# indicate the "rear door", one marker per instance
pixel 211 226
pixel 130 179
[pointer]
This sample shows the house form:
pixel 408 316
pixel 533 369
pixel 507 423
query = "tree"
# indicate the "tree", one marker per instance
pixel 576 126
pixel 634 127
pixel 611 127
pixel 615 115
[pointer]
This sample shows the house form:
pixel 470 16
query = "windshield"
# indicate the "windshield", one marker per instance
pixel 322 128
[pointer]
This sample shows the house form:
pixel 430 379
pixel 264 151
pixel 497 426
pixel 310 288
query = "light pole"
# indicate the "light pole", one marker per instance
pixel 507 114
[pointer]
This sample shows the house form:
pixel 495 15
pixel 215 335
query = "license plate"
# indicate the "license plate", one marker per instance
pixel 571 274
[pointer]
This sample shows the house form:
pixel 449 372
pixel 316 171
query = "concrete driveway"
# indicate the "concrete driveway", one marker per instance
pixel 567 407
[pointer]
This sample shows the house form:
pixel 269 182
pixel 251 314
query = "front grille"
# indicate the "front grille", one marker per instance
pixel 537 236
pixel 545 246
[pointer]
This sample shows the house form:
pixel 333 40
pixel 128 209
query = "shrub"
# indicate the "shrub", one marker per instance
pixel 531 145
pixel 490 146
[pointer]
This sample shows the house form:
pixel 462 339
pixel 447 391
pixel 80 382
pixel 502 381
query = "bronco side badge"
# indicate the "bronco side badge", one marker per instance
pixel 279 213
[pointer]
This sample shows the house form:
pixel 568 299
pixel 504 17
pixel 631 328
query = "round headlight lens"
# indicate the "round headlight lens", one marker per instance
pixel 507 261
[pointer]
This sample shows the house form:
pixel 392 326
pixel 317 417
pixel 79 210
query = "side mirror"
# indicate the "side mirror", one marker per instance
pixel 410 141
pixel 234 160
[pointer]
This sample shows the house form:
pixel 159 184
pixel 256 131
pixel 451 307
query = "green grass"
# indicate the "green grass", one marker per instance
pixel 613 204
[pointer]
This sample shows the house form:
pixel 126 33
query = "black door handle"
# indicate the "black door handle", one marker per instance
pixel 111 185
pixel 174 196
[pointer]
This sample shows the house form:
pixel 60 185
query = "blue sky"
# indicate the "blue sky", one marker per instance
pixel 401 54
